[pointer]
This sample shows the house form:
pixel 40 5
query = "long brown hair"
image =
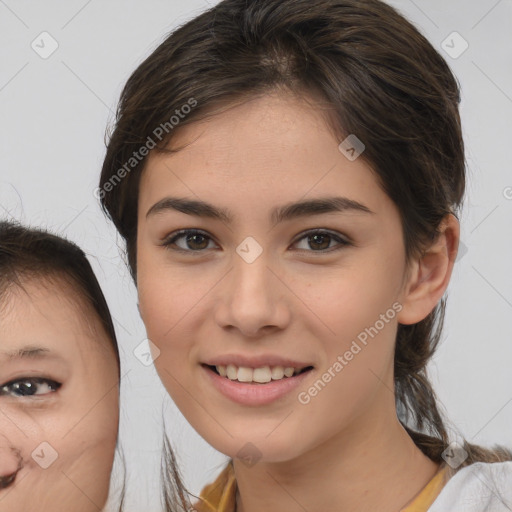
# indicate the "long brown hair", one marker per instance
pixel 375 75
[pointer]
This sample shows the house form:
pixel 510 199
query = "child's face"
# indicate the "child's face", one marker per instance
pixel 300 303
pixel 58 402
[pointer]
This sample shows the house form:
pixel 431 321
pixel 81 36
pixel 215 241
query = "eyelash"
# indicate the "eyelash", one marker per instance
pixel 171 239
pixel 53 385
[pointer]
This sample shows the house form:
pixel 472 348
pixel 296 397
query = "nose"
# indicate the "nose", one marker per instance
pixel 10 463
pixel 253 299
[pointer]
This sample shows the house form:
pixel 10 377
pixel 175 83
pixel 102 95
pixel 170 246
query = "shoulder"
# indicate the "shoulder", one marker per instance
pixel 480 487
pixel 219 496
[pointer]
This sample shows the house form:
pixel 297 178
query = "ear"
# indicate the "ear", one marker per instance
pixel 429 275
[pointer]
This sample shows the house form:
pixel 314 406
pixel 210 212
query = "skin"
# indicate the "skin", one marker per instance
pixel 344 450
pixel 79 419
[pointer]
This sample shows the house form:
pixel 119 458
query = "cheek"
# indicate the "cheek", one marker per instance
pixel 25 430
pixel 159 304
pixel 65 454
pixel 357 306
pixel 72 429
pixel 85 441
pixel 164 303
pixel 10 454
pixel 169 297
pixel 90 447
pixel 344 301
pixel 160 292
pixel 169 303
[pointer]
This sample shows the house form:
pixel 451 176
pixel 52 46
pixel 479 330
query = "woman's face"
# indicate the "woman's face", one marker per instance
pixel 297 262
pixel 58 401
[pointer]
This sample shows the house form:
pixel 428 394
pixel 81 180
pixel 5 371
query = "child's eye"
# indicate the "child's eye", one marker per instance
pixel 193 240
pixel 33 386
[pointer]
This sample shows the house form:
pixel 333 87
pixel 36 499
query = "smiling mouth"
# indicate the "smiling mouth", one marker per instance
pixel 262 375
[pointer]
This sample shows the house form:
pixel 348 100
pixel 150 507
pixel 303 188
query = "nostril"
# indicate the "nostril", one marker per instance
pixel 10 463
pixel 5 481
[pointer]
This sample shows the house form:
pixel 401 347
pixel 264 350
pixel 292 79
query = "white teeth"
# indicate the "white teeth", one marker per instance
pixel 288 372
pixel 277 373
pixel 231 371
pixel 245 374
pixel 260 375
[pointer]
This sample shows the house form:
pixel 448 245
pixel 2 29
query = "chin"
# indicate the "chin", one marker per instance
pixel 251 450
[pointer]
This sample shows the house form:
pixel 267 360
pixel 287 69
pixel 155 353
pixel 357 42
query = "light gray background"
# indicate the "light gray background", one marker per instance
pixel 53 117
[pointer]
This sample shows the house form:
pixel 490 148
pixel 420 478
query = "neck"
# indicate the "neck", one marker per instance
pixel 379 468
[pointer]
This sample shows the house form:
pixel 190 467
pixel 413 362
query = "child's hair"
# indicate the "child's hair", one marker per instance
pixel 27 254
pixel 373 74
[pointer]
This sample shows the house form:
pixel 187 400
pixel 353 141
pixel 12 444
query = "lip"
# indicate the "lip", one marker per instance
pixel 255 394
pixel 255 362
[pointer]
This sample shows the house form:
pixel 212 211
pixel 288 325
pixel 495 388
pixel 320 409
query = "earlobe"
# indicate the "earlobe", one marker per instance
pixel 430 274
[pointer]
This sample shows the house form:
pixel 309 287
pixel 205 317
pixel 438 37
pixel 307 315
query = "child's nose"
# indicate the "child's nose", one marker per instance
pixel 10 463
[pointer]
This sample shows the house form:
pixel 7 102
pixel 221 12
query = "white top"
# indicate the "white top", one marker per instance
pixel 480 487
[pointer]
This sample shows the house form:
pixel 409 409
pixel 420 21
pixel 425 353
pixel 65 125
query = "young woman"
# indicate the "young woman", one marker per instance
pixel 59 375
pixel 287 176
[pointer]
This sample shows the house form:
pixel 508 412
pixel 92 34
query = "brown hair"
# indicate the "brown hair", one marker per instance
pixel 33 253
pixel 381 79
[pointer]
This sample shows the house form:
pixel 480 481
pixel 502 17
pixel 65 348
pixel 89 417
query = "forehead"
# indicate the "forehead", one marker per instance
pixel 268 150
pixel 48 311
pixel 259 132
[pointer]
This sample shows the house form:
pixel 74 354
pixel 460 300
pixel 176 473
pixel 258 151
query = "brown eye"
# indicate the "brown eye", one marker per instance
pixel 196 242
pixel 188 240
pixel 321 241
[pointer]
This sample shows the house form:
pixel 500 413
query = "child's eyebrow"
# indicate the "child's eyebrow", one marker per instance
pixel 29 352
pixel 279 214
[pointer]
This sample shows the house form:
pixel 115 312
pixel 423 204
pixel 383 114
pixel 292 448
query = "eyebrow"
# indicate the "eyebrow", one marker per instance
pixel 29 352
pixel 282 213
